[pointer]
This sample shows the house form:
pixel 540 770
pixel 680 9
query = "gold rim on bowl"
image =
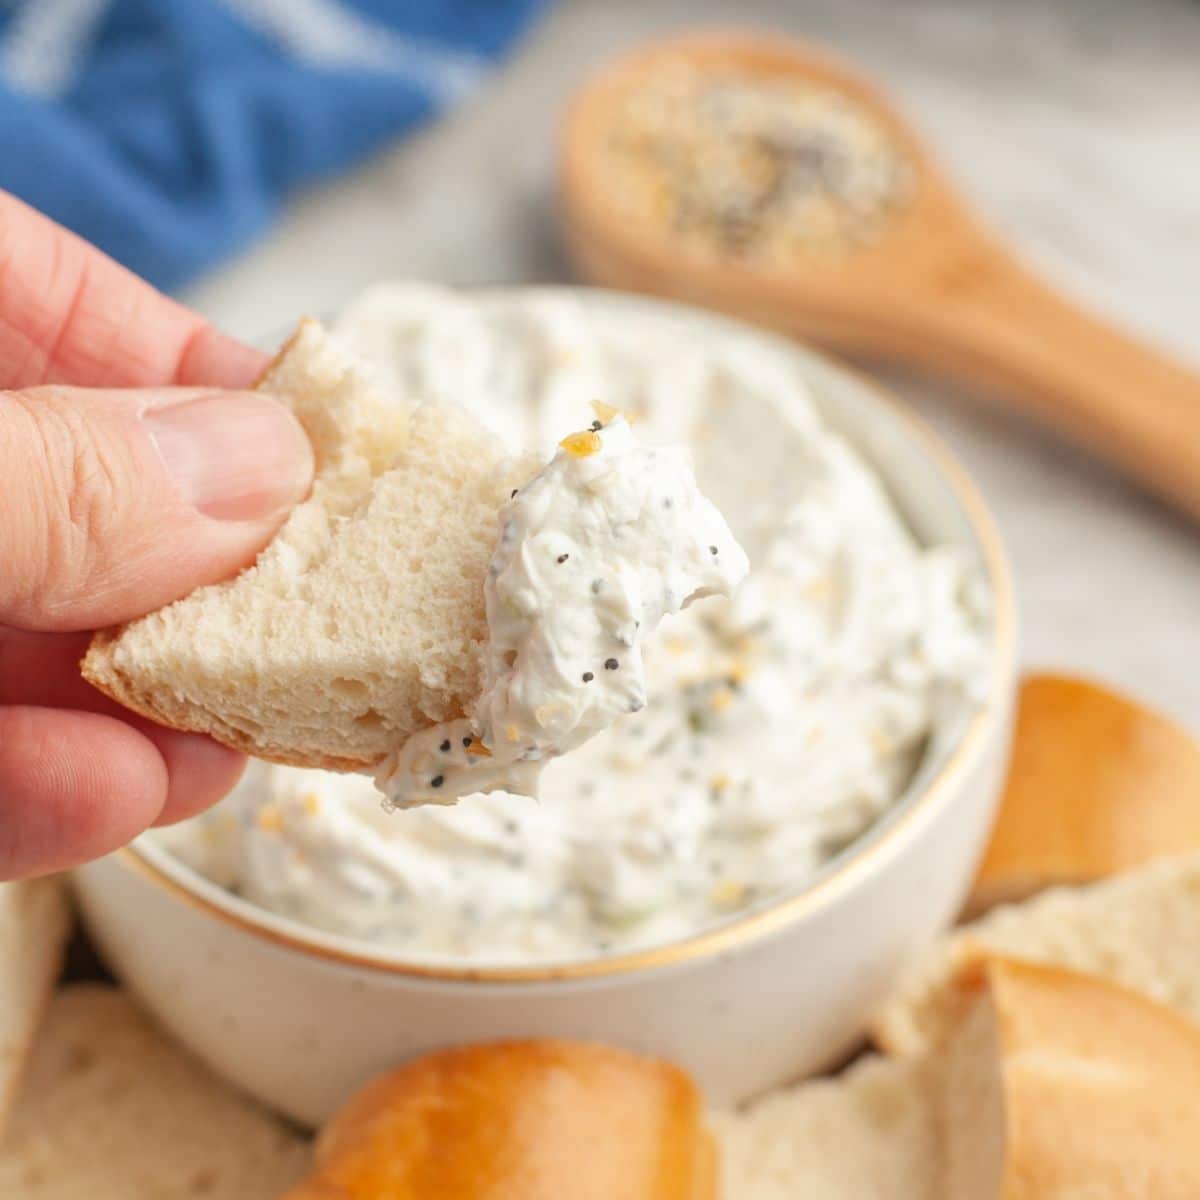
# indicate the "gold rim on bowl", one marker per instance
pixel 756 924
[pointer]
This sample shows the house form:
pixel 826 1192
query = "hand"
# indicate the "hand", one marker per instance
pixel 127 479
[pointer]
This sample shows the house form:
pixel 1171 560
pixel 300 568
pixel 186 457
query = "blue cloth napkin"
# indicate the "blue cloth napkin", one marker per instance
pixel 168 131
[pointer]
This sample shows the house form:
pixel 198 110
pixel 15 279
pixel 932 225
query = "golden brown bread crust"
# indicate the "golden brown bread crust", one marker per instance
pixel 534 1120
pixel 1099 1089
pixel 1098 784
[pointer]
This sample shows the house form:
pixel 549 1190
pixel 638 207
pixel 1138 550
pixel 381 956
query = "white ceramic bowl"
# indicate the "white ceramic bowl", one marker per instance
pixel 300 1019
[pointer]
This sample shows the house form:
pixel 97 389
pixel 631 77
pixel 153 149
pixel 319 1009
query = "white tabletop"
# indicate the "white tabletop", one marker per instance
pixel 1074 127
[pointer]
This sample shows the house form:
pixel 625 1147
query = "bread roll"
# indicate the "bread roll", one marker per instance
pixel 363 620
pixel 1140 929
pixel 538 1120
pixel 1098 784
pixel 1060 1086
pixel 113 1110
pixel 870 1133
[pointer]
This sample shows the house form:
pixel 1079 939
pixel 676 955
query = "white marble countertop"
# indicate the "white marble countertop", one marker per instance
pixel 1075 127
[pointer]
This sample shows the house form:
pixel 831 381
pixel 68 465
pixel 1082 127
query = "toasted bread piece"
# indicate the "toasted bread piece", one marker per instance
pixel 1098 784
pixel 1140 929
pixel 111 1110
pixel 34 925
pixel 363 620
pixel 1060 1085
pixel 540 1120
pixel 869 1134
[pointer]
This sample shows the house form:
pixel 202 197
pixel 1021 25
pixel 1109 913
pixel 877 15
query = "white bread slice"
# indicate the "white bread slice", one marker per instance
pixel 1059 1086
pixel 869 1134
pixel 1098 784
pixel 111 1110
pixel 1140 929
pixel 34 925
pixel 363 620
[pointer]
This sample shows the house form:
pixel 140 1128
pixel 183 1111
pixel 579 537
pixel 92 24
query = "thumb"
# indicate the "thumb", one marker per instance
pixel 113 503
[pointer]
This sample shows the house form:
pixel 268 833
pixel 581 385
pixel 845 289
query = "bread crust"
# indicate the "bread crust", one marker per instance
pixel 1098 784
pixel 152 697
pixel 542 1120
pixel 1123 929
pixel 1090 1089
pixel 97 668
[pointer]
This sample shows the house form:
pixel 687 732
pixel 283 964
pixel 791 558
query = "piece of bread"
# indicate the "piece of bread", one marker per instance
pixel 1140 929
pixel 363 620
pixel 111 1110
pixel 1059 1086
pixel 868 1134
pixel 34 925
pixel 1098 784
pixel 538 1120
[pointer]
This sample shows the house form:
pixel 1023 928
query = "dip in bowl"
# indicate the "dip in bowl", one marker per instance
pixel 729 878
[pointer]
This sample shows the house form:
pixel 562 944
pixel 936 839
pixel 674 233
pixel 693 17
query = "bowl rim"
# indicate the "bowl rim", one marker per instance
pixel 158 867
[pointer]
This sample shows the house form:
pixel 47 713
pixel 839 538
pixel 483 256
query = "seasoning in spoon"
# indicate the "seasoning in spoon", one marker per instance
pixel 737 163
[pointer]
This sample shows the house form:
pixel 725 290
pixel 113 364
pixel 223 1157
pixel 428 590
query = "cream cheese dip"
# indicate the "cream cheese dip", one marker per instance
pixel 607 539
pixel 779 724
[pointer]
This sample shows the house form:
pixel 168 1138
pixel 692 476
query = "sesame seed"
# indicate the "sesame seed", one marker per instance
pixel 437 781
pixel 466 741
pixel 597 586
pixel 611 664
pixel 445 746
pixel 588 677
pixel 562 558
pixel 712 549
pixel 596 426
pixel 513 494
pixel 775 170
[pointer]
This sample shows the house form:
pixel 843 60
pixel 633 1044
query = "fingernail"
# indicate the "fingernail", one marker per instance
pixel 234 456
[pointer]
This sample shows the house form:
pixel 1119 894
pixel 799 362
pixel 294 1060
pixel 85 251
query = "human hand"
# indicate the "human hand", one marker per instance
pixel 127 479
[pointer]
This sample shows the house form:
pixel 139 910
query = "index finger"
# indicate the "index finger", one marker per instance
pixel 69 314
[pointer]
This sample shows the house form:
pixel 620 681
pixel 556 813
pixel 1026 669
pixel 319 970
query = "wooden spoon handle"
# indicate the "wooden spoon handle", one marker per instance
pixel 992 323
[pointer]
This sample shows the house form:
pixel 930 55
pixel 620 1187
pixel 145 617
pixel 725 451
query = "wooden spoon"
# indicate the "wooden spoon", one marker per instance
pixel 933 289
